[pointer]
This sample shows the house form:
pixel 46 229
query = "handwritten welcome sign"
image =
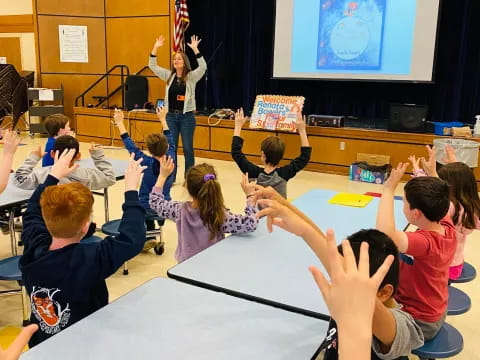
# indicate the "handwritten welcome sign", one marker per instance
pixel 276 112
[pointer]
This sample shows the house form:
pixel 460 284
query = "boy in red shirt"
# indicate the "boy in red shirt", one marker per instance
pixel 423 286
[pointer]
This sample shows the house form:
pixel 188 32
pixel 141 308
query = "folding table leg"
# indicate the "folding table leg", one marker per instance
pixel 13 238
pixel 105 201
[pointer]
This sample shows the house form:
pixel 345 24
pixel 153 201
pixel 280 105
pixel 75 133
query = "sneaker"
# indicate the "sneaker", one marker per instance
pixel 149 244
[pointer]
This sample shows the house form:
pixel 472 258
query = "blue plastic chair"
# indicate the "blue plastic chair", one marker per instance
pixel 111 228
pixel 447 343
pixel 10 271
pixel 458 302
pixel 468 274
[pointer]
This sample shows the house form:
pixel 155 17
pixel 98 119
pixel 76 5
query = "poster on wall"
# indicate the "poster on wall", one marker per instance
pixel 73 41
pixel 276 112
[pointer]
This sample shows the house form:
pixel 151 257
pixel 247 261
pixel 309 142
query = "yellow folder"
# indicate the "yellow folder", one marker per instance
pixel 346 199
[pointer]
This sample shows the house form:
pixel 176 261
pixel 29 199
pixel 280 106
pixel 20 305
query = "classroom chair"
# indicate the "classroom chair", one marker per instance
pixel 458 302
pixel 10 271
pixel 447 343
pixel 468 274
pixel 111 228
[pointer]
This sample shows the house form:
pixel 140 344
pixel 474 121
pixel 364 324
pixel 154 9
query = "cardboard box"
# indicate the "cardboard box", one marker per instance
pixel 373 159
pixel 370 168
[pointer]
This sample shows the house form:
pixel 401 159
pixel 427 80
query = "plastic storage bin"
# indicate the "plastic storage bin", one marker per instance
pixel 444 128
pixel 465 150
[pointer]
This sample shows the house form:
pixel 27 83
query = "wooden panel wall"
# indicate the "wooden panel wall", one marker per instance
pixel 70 7
pixel 16 23
pixel 10 48
pixel 50 49
pixel 119 32
pixel 136 8
pixel 130 40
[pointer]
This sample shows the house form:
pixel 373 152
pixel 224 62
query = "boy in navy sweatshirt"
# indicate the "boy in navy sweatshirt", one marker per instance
pixel 65 278
pixel 159 145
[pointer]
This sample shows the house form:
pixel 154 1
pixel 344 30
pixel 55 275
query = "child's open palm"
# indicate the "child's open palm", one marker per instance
pixel 240 118
pixel 248 187
pixel 450 156
pixel 415 163
pixel 396 175
pixel 133 173
pixel 300 123
pixel 351 286
pixel 166 166
pixel 10 142
pixel 63 164
pixel 118 117
pixel 430 165
pixel 281 216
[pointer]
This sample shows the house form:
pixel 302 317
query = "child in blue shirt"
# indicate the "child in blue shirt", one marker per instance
pixel 56 125
pixel 159 145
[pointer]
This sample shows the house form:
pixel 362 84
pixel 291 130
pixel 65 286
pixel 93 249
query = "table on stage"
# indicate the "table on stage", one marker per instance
pixel 165 319
pixel 273 268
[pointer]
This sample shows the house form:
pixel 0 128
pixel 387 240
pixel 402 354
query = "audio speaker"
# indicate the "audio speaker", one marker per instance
pixel 407 118
pixel 136 91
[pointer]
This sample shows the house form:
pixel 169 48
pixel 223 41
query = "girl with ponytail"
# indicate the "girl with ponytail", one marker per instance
pixel 204 220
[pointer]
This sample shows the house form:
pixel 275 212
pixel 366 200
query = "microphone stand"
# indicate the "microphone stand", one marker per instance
pixel 205 108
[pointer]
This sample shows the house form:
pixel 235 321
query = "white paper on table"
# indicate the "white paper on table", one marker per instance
pixel 73 41
pixel 45 94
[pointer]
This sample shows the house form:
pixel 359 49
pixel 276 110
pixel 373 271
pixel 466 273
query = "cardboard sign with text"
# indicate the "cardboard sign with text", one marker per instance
pixel 276 112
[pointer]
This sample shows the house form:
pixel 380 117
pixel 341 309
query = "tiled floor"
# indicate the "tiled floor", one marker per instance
pixel 148 265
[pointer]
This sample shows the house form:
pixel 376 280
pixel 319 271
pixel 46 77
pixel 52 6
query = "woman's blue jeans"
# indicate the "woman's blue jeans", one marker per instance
pixel 184 125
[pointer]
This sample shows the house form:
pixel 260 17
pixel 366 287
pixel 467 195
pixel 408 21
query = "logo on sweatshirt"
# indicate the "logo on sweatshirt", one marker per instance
pixel 52 317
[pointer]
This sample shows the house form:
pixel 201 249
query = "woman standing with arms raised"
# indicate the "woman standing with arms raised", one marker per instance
pixel 180 95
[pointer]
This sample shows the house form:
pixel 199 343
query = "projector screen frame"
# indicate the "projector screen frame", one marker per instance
pixel 399 81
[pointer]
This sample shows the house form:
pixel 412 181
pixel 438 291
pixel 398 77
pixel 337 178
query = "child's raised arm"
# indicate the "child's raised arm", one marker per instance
pixel 351 288
pixel 240 120
pixel 430 165
pixel 417 170
pixel 118 118
pixel 385 214
pixel 301 126
pixel 167 209
pixel 10 144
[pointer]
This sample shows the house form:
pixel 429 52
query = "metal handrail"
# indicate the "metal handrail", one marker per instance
pixel 106 98
pixel 142 70
pixel 122 68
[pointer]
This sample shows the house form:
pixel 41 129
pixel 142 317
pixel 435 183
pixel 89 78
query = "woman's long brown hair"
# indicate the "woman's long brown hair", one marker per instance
pixel 463 192
pixel 186 67
pixel 209 197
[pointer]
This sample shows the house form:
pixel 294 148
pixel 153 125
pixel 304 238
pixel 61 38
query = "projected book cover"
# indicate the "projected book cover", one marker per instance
pixel 350 34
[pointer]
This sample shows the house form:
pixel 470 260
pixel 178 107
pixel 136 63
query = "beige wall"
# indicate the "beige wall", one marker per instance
pixel 27 40
pixel 15 7
pixel 27 46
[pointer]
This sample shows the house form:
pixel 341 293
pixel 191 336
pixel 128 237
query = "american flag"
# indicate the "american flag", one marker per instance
pixel 181 24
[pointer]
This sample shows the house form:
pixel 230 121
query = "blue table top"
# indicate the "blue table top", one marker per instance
pixel 119 166
pixel 273 268
pixel 165 319
pixel 13 195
